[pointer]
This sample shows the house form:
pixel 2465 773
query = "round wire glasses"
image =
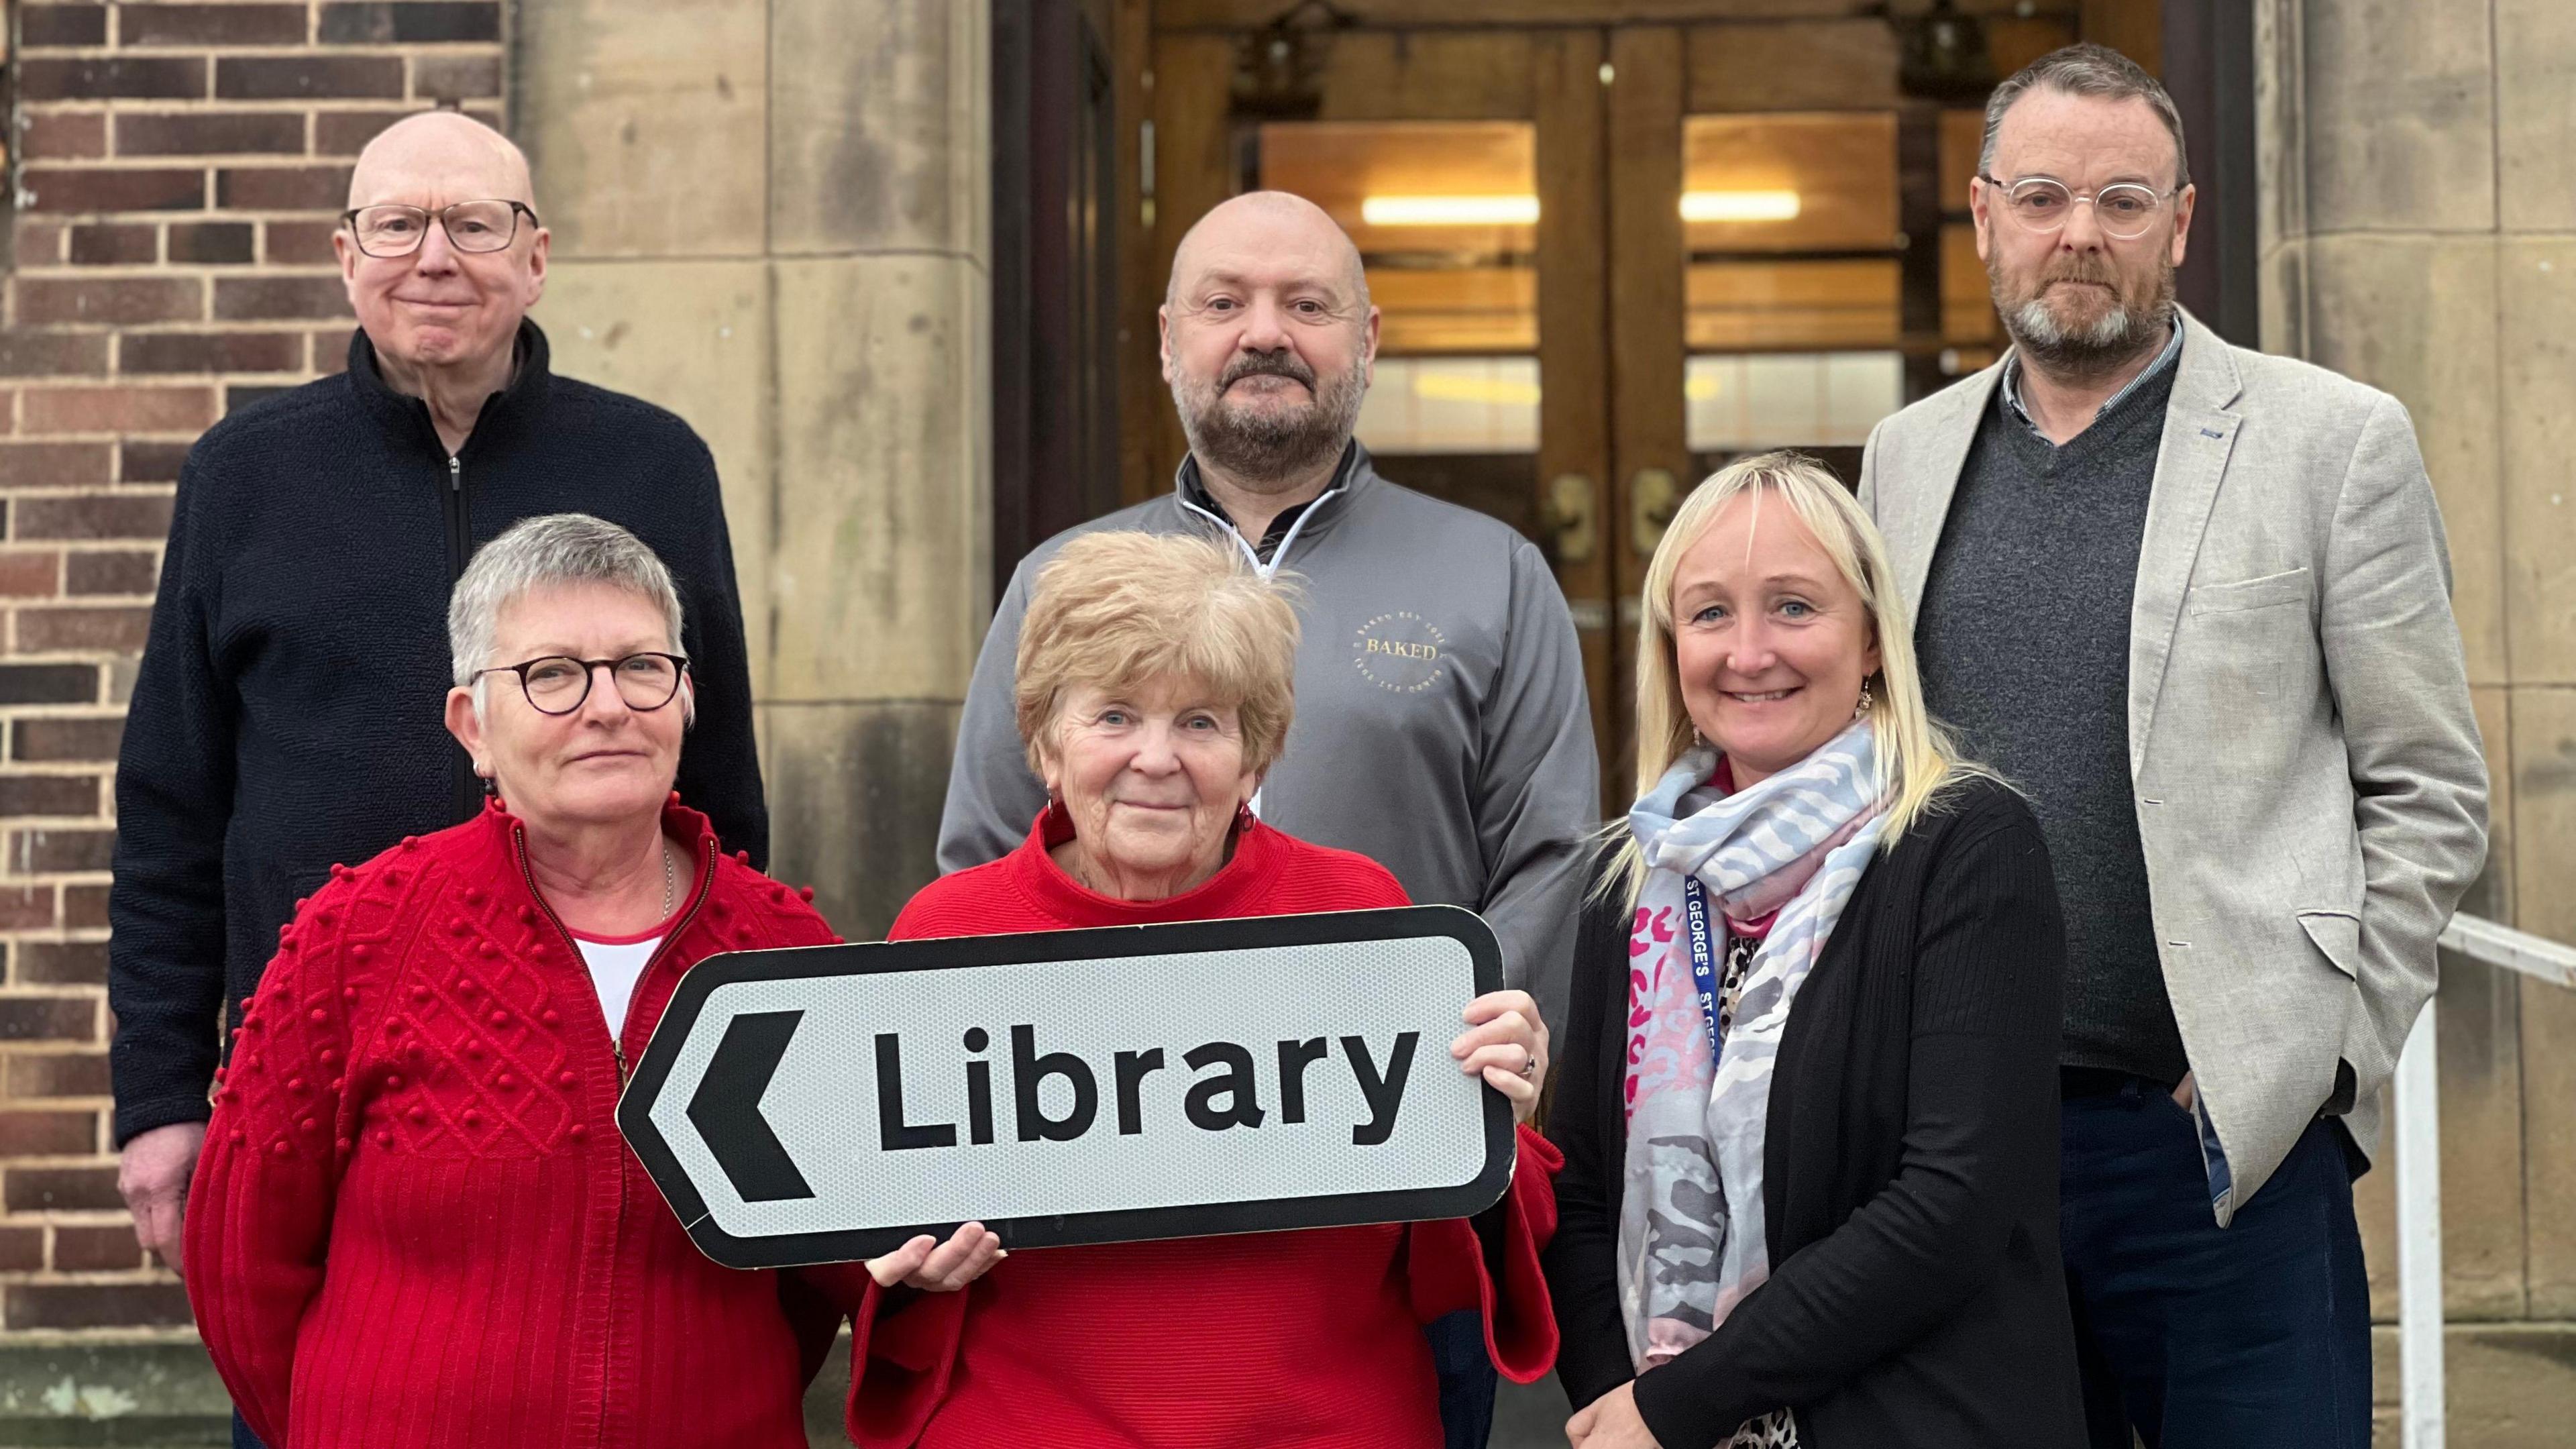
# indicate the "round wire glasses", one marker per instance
pixel 2125 209
pixel 559 683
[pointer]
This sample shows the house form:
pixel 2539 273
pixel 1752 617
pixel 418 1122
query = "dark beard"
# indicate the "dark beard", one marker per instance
pixel 1258 449
pixel 2134 325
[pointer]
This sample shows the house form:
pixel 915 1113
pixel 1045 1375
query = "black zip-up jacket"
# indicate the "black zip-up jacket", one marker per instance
pixel 290 710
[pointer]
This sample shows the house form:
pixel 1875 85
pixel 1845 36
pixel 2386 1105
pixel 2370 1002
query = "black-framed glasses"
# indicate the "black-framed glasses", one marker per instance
pixel 559 683
pixel 2124 209
pixel 393 230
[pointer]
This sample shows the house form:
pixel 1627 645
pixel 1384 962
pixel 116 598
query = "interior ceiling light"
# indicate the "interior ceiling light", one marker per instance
pixel 1449 210
pixel 1523 210
pixel 1739 206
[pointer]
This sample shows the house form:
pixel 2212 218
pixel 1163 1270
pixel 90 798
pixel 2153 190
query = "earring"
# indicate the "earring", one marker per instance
pixel 1243 816
pixel 1866 702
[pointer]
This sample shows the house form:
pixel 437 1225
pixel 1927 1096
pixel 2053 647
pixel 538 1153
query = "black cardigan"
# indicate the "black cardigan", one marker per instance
pixel 290 712
pixel 1916 1300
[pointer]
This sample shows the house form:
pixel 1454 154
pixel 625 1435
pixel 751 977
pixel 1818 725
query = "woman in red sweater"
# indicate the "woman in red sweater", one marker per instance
pixel 1154 687
pixel 415 1223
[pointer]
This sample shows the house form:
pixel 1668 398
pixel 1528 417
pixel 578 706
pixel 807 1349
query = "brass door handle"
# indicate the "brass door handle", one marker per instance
pixel 1572 512
pixel 1653 497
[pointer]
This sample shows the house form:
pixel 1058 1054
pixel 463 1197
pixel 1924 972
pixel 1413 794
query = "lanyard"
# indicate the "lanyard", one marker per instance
pixel 1703 953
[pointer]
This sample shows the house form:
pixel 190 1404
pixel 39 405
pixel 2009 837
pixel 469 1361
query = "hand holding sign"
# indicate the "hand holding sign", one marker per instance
pixel 1506 1040
pixel 936 1267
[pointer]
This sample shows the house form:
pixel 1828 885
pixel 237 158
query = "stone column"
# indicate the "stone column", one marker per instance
pixel 770 217
pixel 2419 233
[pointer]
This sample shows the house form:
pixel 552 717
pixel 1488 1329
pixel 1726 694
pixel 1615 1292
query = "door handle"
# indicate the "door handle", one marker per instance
pixel 1573 516
pixel 1653 497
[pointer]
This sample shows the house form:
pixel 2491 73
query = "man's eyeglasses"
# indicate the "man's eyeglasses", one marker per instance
pixel 2125 209
pixel 472 226
pixel 558 684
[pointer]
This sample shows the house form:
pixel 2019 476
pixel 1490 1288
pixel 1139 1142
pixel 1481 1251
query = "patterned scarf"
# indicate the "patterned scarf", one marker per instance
pixel 1690 1232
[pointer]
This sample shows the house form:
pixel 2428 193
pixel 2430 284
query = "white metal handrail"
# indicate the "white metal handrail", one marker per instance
pixel 2419 1170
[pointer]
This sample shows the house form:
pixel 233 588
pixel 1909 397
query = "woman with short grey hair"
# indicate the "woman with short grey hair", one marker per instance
pixel 415 1223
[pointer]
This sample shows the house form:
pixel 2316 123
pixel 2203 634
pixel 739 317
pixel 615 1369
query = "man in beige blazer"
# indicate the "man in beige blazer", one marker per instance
pixel 2195 601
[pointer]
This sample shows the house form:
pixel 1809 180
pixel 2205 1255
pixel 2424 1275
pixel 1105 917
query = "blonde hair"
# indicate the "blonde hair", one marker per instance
pixel 1115 609
pixel 1917 758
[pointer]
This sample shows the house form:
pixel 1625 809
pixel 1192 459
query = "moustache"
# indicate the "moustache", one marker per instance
pixel 1266 364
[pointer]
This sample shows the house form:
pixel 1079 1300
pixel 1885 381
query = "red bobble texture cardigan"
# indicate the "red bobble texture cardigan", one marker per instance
pixel 415 1223
pixel 1262 1341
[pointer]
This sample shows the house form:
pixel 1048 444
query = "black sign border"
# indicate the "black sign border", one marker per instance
pixel 688 1003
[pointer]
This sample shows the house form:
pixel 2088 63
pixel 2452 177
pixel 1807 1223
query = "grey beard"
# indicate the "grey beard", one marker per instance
pixel 1256 449
pixel 2098 346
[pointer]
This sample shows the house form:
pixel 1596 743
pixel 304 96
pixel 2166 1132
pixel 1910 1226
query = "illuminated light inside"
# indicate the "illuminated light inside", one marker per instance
pixel 1449 210
pixel 1452 387
pixel 1739 206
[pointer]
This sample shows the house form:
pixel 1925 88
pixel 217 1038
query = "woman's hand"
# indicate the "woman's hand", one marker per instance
pixel 1611 1422
pixel 1506 1041
pixel 936 1267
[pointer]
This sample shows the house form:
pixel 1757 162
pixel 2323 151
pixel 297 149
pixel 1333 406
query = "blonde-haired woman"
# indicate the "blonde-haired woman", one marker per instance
pixel 1156 682
pixel 1808 1088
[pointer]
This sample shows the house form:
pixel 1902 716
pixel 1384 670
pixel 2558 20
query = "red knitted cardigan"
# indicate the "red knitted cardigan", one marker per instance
pixel 1305 1339
pixel 415 1222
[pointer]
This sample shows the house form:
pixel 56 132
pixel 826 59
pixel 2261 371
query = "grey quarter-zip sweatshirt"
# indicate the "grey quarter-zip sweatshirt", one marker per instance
pixel 1441 730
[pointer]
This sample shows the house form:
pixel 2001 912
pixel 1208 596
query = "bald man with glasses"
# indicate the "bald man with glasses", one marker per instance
pixel 276 726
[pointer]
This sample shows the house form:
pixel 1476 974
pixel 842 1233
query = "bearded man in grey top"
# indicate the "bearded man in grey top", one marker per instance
pixel 2194 600
pixel 1442 728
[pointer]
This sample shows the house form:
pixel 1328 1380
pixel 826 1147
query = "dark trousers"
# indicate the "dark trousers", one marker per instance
pixel 2252 1336
pixel 1466 1377
pixel 243 1438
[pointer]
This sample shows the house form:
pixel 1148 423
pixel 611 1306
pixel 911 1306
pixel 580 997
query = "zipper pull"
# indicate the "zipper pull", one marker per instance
pixel 619 1048
pixel 455 474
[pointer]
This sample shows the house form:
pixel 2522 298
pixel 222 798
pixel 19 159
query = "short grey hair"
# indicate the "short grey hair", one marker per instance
pixel 543 552
pixel 2091 70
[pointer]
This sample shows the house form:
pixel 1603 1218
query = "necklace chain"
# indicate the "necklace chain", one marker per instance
pixel 670 880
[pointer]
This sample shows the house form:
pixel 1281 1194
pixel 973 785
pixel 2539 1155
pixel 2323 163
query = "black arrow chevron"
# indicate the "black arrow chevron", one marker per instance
pixel 726 1109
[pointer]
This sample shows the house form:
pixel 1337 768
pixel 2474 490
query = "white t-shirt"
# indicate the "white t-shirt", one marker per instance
pixel 615 967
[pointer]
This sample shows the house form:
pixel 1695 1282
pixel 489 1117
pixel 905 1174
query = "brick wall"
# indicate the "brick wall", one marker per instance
pixel 177 169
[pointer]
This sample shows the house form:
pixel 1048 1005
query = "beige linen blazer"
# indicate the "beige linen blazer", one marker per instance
pixel 2310 788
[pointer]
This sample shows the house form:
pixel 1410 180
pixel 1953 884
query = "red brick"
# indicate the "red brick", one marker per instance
pixel 145 462
pixel 308 76
pixel 111 571
pixel 410 22
pixel 62 188
pixel 212 242
pixel 84 1248
pixel 209 133
pixel 344 133
pixel 119 409
pixel 48 1018
pixel 57 740
pixel 84 907
pixel 49 795
pixel 61 963
pixel 159 78
pixel 456 77
pixel 282 188
pixel 294 243
pixel 210 352
pixel 112 628
pixel 63 135
pixel 61 850
pixel 35 1075
pixel 39 243
pixel 123 301
pixel 49 1134
pixel 92 515
pixel 25 908
pixel 48 25
pixel 96 1305
pixel 54 465
pixel 22 1250
pixel 30 575
pixel 211 25
pixel 48 683
pixel 262 298
pixel 112 244
pixel 51 354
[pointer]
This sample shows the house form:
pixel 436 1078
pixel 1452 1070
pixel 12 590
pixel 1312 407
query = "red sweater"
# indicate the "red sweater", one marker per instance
pixel 415 1222
pixel 1305 1339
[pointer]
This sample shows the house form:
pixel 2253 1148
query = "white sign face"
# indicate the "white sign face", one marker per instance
pixel 826 1104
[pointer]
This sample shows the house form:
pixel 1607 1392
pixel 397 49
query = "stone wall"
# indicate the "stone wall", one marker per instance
pixel 2419 233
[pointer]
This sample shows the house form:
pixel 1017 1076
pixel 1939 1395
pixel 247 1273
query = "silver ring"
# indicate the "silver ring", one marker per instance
pixel 1529 1063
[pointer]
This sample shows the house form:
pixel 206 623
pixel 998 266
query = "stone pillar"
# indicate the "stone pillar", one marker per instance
pixel 2419 233
pixel 771 217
